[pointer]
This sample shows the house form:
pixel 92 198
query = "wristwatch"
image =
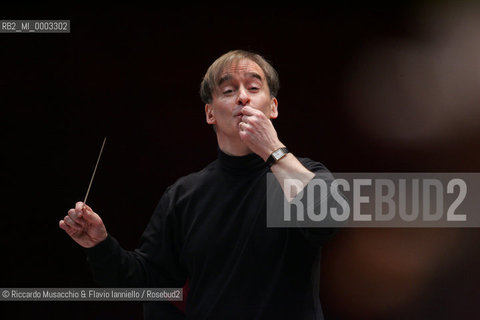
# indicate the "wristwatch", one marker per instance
pixel 277 155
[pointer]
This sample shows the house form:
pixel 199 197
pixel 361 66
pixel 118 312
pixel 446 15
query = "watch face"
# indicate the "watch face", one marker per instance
pixel 277 154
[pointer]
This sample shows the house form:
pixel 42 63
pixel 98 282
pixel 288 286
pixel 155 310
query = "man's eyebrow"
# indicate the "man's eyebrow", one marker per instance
pixel 224 78
pixel 229 77
pixel 254 75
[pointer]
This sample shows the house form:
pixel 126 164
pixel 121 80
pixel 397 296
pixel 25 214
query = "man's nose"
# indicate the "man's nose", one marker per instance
pixel 243 97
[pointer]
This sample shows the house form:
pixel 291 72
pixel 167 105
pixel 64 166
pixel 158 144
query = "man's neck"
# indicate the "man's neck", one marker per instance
pixel 232 147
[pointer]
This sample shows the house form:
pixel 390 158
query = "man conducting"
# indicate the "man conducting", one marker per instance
pixel 210 226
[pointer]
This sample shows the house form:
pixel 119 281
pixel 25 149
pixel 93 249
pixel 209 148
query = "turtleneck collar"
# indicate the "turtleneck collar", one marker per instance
pixel 242 165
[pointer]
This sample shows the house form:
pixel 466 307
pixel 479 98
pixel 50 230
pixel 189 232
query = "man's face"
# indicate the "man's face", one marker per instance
pixel 241 84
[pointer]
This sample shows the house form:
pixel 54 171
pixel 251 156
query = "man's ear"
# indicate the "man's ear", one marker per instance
pixel 274 108
pixel 209 114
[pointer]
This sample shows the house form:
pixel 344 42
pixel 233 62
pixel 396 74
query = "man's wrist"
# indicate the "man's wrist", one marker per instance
pixel 270 150
pixel 277 155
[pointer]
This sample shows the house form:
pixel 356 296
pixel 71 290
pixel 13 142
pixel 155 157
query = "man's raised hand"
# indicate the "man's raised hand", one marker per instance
pixel 84 226
pixel 258 133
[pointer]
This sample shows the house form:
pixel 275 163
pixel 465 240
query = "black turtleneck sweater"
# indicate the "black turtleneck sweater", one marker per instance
pixel 210 228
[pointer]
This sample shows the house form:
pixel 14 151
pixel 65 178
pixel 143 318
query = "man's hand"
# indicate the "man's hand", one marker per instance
pixel 258 133
pixel 84 226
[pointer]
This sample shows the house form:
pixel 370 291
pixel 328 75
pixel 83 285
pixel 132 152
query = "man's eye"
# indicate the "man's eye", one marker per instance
pixel 253 88
pixel 227 91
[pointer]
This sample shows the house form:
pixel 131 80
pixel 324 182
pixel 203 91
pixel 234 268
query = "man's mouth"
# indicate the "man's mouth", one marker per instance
pixel 238 113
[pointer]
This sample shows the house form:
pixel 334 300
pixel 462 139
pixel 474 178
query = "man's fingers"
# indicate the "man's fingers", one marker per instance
pixel 69 230
pixel 249 111
pixel 79 206
pixel 72 224
pixel 76 217
pixel 245 118
pixel 81 213
pixel 89 215
pixel 65 227
pixel 62 225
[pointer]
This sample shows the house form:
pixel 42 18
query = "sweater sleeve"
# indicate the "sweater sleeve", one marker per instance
pixel 318 235
pixel 154 263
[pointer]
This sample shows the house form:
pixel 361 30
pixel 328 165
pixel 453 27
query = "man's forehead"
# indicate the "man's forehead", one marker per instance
pixel 243 66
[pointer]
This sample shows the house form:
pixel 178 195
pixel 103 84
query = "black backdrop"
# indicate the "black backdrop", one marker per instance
pixel 132 73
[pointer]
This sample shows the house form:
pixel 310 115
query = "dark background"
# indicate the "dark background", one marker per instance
pixel 132 74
